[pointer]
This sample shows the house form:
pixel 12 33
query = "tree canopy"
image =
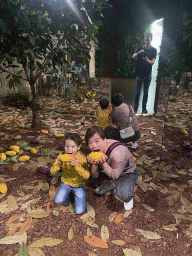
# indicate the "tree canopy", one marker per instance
pixel 39 33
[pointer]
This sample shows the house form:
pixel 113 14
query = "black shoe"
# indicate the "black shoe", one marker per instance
pixel 144 111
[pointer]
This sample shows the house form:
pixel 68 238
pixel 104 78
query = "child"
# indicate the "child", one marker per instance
pixel 103 113
pixel 74 175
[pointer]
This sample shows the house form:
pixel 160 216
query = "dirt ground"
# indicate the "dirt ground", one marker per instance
pixel 160 222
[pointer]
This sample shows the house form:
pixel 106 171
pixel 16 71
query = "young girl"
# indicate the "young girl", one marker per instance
pixel 75 172
pixel 103 113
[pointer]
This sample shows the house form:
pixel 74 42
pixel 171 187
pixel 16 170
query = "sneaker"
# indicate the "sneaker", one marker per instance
pixel 134 145
pixel 144 111
pixel 129 205
pixel 104 188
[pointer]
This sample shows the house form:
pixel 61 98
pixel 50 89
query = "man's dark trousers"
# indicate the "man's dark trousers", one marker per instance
pixel 146 80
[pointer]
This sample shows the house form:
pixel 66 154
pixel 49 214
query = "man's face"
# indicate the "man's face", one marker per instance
pixel 148 40
pixel 96 143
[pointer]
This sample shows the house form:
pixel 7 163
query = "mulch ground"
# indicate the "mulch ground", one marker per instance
pixel 161 220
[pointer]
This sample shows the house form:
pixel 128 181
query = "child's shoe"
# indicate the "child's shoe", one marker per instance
pixel 134 145
pixel 129 205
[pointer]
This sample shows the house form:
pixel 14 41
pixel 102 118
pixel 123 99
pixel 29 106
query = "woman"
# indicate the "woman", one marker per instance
pixel 118 166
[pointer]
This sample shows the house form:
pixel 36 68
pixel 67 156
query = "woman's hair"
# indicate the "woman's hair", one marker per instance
pixel 117 99
pixel 104 103
pixel 73 136
pixel 92 131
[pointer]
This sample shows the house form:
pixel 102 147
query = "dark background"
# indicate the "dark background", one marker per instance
pixel 119 14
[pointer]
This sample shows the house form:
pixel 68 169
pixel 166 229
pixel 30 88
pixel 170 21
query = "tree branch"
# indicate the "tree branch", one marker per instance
pixel 47 61
pixel 6 71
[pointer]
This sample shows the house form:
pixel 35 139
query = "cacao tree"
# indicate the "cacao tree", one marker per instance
pixel 37 34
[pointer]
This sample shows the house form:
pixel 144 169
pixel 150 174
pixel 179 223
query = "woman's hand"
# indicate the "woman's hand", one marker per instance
pixel 74 161
pixel 92 161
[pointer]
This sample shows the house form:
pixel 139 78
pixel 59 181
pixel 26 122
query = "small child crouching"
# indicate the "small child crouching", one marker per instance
pixel 74 174
pixel 103 113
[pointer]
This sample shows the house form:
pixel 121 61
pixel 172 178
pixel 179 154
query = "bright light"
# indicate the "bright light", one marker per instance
pixel 157 31
pixel 75 9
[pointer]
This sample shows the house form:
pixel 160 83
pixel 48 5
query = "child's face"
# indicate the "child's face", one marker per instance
pixel 71 147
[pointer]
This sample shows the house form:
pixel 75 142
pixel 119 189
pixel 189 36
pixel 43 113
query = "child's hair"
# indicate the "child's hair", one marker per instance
pixel 104 103
pixel 117 99
pixel 73 136
pixel 92 131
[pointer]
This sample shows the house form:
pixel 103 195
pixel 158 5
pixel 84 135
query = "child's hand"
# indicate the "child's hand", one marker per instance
pixel 74 161
pixel 58 159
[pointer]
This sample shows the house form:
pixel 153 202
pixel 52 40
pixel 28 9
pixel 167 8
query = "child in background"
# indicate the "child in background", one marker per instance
pixel 103 113
pixel 74 174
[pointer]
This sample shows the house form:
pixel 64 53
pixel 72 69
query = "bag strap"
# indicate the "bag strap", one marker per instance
pixel 130 113
pixel 112 146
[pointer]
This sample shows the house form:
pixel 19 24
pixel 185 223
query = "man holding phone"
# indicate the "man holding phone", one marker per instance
pixel 145 56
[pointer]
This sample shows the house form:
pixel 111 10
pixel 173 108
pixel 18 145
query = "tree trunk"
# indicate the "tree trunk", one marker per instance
pixel 36 122
pixel 1 103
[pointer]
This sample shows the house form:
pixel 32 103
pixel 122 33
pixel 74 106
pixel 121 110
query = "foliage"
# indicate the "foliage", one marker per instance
pixel 125 65
pixel 38 34
pixel 179 55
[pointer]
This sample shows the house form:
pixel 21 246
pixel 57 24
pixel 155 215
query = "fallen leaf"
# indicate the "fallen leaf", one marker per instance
pixel 154 133
pixel 119 218
pixel 26 225
pixel 112 216
pixel 91 224
pixel 89 232
pixel 46 241
pixel 118 242
pixel 70 233
pixel 52 191
pixel 127 213
pixel 129 252
pixel 35 251
pixel 54 180
pixel 38 214
pixel 187 205
pixel 15 217
pixel 170 227
pixel 149 234
pixel 137 198
pixel 14 239
pixel 50 206
pixel 148 207
pixel 91 211
pixel 16 166
pixel 23 250
pixel 11 201
pixel 104 233
pixel 95 241
pixel 43 186
pixel 167 168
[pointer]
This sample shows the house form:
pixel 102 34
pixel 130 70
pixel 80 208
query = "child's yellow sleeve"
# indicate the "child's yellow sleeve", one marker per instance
pixel 55 167
pixel 82 167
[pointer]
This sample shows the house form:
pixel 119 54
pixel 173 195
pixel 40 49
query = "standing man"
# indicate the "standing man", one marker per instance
pixel 145 56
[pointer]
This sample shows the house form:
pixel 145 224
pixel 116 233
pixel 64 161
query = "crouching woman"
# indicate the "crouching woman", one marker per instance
pixel 117 169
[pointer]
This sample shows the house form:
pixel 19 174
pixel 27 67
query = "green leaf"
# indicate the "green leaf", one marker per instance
pixel 95 26
pixel 30 98
pixel 23 250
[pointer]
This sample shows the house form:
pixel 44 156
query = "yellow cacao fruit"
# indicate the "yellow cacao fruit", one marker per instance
pixel 24 158
pixel 96 155
pixel 10 153
pixel 2 156
pixel 15 148
pixel 33 150
pixel 66 157
pixel 44 132
pixel 183 131
pixel 59 135
pixel 3 187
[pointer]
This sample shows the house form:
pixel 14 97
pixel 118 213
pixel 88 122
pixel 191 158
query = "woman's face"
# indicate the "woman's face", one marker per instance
pixel 96 143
